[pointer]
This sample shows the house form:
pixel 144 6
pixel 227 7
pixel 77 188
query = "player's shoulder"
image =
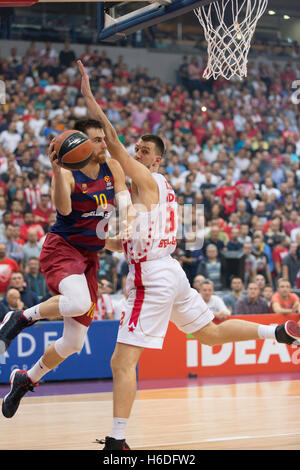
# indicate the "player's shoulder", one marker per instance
pixel 160 179
pixel 114 166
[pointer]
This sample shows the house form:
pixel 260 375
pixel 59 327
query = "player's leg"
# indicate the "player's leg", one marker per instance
pixel 192 315
pixel 74 300
pixel 71 342
pixel 123 364
pixel 241 330
pixel 78 293
pixel 23 381
pixel 151 288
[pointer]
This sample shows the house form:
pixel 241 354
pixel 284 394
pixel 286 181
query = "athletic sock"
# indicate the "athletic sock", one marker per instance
pixel 37 371
pixel 32 313
pixel 118 428
pixel 266 331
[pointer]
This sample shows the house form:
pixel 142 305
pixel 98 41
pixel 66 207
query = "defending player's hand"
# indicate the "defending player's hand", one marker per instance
pixel 85 81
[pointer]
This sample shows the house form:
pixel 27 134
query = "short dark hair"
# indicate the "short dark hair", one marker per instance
pixel 235 277
pixel 83 125
pixel 159 144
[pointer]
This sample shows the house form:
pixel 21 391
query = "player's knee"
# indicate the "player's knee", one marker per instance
pixel 75 299
pixel 124 359
pixel 82 304
pixel 116 364
pixel 76 305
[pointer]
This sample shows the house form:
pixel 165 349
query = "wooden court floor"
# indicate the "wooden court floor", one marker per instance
pixel 254 416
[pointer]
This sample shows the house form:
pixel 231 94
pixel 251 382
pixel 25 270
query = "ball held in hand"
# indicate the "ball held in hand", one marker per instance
pixel 73 149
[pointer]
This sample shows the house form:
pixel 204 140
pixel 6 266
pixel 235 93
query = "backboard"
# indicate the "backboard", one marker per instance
pixel 119 19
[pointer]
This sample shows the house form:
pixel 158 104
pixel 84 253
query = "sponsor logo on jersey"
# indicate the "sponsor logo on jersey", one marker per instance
pixel 107 181
pixel 97 213
pixel 165 242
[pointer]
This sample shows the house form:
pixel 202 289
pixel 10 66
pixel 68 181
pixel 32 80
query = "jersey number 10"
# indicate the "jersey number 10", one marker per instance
pixel 101 200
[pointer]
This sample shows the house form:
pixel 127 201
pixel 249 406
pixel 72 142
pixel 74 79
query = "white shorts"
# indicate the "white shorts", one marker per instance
pixel 159 292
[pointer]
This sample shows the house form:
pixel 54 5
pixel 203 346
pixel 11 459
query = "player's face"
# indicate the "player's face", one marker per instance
pixel 145 153
pixel 97 138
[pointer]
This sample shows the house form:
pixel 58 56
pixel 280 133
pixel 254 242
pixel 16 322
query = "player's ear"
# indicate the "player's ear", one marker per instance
pixel 158 159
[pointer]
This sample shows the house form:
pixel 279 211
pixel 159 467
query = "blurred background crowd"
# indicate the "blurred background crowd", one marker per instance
pixel 233 147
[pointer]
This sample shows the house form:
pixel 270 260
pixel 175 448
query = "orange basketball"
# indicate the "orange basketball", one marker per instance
pixel 73 149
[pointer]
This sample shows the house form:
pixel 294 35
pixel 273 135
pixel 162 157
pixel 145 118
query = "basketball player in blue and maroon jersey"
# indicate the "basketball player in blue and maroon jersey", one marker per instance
pixel 84 200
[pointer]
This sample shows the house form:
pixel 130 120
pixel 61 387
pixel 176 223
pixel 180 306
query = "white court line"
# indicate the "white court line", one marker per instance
pixel 219 439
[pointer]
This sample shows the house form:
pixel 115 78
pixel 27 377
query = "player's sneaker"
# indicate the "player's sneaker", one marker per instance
pixel 113 444
pixel 13 323
pixel 288 333
pixel 20 384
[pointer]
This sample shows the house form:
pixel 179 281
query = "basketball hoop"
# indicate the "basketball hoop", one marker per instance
pixel 229 26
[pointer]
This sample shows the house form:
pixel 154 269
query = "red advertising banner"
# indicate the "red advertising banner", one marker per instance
pixel 182 354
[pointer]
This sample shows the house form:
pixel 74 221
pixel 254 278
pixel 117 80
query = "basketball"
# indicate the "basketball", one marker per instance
pixel 73 149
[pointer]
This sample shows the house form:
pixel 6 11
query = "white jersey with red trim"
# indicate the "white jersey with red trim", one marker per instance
pixel 154 232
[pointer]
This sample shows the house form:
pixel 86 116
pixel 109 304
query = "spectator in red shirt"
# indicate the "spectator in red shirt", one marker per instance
pixel 29 223
pixel 288 75
pixel 16 235
pixel 17 217
pixel 228 194
pixel 33 191
pixel 291 223
pixel 284 301
pixel 7 267
pixel 279 252
pixel 244 184
pixel 229 124
pixel 251 130
pixel 43 211
pixel 198 129
pixel 100 98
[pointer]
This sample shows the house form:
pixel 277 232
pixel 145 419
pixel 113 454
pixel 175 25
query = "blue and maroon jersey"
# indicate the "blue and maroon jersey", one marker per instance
pixel 92 204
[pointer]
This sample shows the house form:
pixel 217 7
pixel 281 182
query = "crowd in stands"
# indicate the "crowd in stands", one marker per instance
pixel 233 147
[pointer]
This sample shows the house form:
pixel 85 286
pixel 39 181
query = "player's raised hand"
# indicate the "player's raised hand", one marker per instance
pixel 85 81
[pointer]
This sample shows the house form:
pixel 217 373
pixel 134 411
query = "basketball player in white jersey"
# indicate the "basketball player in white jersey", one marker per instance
pixel 158 289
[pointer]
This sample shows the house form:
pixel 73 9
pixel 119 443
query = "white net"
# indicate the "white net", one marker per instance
pixel 229 26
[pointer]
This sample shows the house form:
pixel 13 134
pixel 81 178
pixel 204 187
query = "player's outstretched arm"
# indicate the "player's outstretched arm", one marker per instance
pixel 134 169
pixel 127 213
